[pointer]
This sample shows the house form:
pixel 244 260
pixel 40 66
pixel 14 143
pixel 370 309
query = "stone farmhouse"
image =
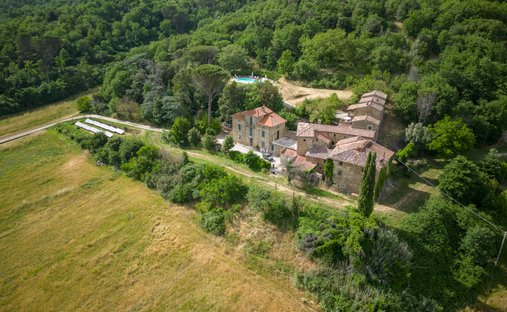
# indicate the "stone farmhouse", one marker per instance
pixel 258 128
pixel 346 144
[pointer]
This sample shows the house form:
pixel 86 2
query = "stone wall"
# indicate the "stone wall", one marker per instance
pixel 365 124
pixel 347 177
pixel 369 111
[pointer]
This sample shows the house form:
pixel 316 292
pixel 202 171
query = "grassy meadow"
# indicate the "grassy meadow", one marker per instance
pixel 41 115
pixel 74 236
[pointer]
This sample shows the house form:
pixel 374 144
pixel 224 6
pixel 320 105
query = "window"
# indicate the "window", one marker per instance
pixel 272 147
pixel 277 134
pixel 263 135
pixel 263 144
pixel 250 131
pixel 239 127
pixel 369 127
pixel 251 121
pixel 339 172
pixel 340 163
pixel 304 140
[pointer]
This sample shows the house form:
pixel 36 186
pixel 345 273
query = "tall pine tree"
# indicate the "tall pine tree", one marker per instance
pixel 367 190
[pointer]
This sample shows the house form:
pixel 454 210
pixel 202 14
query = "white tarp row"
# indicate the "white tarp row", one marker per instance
pixel 104 126
pixel 93 129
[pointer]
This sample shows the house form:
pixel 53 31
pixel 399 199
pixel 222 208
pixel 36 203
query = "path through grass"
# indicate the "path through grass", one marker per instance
pixel 74 236
pixel 41 115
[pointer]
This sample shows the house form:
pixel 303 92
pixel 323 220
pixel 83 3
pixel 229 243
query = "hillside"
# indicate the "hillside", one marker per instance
pixel 383 187
pixel 75 236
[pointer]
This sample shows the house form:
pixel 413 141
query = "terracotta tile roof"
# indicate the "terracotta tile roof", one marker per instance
pixel 256 112
pixel 268 117
pixel 319 152
pixel 271 120
pixel 287 152
pixel 356 153
pixel 349 140
pixel 373 99
pixel 299 161
pixel 378 107
pixel 307 130
pixel 367 118
pixel 323 137
pixel 376 93
pixel 303 164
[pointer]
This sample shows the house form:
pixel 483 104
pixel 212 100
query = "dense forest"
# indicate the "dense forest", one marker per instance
pixel 442 62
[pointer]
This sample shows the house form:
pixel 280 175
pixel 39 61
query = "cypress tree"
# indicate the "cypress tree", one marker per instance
pixel 367 189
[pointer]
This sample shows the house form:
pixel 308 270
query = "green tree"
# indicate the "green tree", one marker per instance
pixel 462 180
pixel 194 137
pixel 367 189
pixel 83 104
pixel 405 102
pixel 178 135
pixel 450 137
pixel 228 144
pixel 234 58
pixel 209 142
pixel 264 93
pixel 328 170
pixel 232 100
pixel 286 63
pixel 210 80
pixel 493 166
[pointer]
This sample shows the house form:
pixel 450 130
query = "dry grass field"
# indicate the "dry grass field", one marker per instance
pixel 74 236
pixel 41 115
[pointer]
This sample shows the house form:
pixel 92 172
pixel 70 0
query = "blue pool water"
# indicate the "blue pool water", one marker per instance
pixel 245 80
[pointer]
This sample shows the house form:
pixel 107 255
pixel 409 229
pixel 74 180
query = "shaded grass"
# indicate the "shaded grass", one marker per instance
pixel 41 115
pixel 74 236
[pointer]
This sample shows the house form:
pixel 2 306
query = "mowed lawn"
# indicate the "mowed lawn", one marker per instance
pixel 41 115
pixel 74 236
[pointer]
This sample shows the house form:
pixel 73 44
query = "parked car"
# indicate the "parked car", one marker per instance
pixel 267 156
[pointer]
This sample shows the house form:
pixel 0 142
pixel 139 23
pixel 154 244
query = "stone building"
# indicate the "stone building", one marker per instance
pixel 258 128
pixel 347 144
pixel 309 134
pixel 369 108
pixel 349 158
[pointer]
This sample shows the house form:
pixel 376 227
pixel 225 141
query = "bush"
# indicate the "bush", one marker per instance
pixel 255 163
pixel 213 221
pixel 83 104
pixel 274 207
pixel 228 144
pixel 227 190
pixel 209 142
pixel 194 137
pixel 236 156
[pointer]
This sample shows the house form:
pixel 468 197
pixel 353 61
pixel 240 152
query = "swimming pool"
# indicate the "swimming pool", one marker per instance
pixel 247 80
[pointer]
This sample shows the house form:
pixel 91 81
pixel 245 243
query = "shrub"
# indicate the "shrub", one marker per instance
pixel 213 221
pixel 128 149
pixel 224 191
pixel 178 135
pixel 236 156
pixel 209 142
pixel 255 163
pixel 83 104
pixel 194 137
pixel 228 144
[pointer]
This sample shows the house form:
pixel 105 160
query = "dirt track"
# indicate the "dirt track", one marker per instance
pixel 295 95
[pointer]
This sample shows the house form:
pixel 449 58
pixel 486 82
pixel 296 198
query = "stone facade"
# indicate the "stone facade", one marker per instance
pixel 366 110
pixel 347 177
pixel 258 128
pixel 365 124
